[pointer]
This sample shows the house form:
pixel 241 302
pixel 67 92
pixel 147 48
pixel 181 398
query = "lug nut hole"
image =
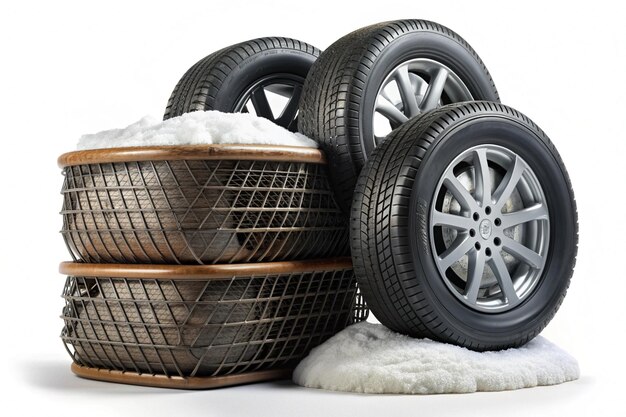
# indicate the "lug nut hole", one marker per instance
pixel 472 232
pixel 477 246
pixel 497 241
pixel 488 210
pixel 497 222
pixel 476 216
pixel 488 252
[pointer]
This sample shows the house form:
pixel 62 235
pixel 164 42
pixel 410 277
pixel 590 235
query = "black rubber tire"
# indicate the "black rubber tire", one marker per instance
pixel 390 238
pixel 218 81
pixel 340 91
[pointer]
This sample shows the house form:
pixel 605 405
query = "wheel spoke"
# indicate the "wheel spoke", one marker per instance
pixel 401 75
pixel 435 89
pixel 504 278
pixel 261 105
pixel 284 90
pixel 391 112
pixel 291 109
pixel 482 177
pixel 293 125
pixel 521 252
pixel 476 266
pixel 508 183
pixel 416 83
pixel 536 212
pixel 385 94
pixel 453 221
pixel 459 247
pixel 459 191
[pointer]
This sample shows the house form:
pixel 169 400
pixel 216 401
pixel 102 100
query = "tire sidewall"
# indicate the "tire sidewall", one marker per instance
pixel 533 313
pixel 431 45
pixel 251 70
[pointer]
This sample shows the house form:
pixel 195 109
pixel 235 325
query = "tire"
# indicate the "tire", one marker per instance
pixel 340 93
pixel 238 77
pixel 399 252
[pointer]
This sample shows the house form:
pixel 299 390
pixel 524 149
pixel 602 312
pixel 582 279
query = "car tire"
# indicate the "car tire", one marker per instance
pixel 350 78
pixel 438 256
pixel 238 79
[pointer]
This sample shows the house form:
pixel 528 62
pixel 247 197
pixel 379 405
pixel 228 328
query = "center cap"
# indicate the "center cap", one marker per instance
pixel 485 229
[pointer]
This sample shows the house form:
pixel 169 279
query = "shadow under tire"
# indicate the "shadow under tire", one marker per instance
pixel 238 77
pixel 342 90
pixel 439 255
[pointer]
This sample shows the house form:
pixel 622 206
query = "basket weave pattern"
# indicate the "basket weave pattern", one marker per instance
pixel 201 212
pixel 206 327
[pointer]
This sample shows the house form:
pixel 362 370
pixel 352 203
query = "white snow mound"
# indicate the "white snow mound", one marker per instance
pixel 370 358
pixel 195 128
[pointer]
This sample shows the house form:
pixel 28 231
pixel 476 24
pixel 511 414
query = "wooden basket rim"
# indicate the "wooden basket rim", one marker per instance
pixel 194 272
pixel 162 381
pixel 193 152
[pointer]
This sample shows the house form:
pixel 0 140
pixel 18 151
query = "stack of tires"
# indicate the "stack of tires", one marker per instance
pixel 210 265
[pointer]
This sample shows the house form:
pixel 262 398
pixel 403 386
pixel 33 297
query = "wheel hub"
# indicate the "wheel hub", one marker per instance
pixel 274 97
pixel 489 228
pixel 413 87
pixel 485 229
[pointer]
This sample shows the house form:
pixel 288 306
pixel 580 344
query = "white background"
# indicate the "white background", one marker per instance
pixel 68 69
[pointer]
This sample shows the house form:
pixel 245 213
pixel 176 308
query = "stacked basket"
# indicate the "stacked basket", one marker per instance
pixel 201 266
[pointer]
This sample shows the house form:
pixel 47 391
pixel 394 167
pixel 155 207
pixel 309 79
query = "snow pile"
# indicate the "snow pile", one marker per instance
pixel 194 129
pixel 370 358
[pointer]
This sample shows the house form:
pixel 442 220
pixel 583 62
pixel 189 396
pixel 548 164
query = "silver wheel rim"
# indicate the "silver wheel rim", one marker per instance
pixel 489 228
pixel 275 98
pixel 411 88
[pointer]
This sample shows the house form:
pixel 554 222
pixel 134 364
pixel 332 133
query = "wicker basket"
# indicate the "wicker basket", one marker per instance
pixel 200 204
pixel 203 322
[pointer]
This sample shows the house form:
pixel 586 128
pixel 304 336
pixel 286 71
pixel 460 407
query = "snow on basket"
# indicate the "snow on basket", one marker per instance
pixel 203 326
pixel 206 187
pixel 370 358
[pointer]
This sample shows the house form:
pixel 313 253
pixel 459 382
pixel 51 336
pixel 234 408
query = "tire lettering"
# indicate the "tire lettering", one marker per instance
pixel 422 225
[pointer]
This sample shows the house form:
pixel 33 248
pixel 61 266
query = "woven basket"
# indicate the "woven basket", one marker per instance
pixel 200 204
pixel 204 321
